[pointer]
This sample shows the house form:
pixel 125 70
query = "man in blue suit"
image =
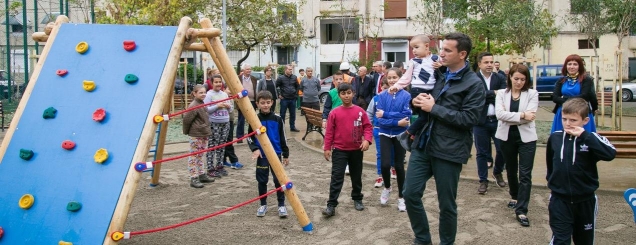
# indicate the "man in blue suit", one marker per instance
pixel 487 127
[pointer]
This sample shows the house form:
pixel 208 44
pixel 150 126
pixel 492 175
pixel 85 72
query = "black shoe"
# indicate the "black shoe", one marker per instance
pixel 512 204
pixel 204 179
pixel 329 211
pixel 295 130
pixel 483 187
pixel 358 205
pixel 499 180
pixel 416 242
pixel 194 182
pixel 523 220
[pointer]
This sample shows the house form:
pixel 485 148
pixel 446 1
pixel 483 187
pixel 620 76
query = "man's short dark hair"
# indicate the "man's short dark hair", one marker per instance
pixel 398 64
pixel 344 87
pixel 463 42
pixel 496 62
pixel 301 70
pixel 387 65
pixel 264 95
pixel 482 55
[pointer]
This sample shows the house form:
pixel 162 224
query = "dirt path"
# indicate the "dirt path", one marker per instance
pixel 483 219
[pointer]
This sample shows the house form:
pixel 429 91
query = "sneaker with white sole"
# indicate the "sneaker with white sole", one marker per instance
pixel 401 205
pixel 379 182
pixel 347 170
pixel 393 173
pixel 261 211
pixel 282 212
pixel 384 197
pixel 237 165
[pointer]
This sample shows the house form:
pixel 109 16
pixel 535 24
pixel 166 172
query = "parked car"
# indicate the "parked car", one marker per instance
pixel 325 86
pixel 628 91
pixel 258 75
pixel 547 77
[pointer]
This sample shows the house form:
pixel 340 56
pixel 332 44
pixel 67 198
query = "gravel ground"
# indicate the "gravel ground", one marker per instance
pixel 483 219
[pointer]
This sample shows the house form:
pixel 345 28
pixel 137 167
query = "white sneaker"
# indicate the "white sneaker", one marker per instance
pixel 401 205
pixel 347 170
pixel 384 197
pixel 378 182
pixel 282 212
pixel 261 211
pixel 393 173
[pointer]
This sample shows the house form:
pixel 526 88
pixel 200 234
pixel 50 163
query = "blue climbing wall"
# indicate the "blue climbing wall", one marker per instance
pixel 55 176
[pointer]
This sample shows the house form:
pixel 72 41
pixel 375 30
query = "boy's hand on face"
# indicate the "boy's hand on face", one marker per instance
pixel 328 155
pixel 575 131
pixel 256 154
pixel 285 162
pixel 365 145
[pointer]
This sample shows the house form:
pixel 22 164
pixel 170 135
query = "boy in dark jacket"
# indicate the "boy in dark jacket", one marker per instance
pixel 274 126
pixel 571 156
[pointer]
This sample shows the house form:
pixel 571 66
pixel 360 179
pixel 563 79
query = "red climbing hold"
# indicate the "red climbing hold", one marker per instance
pixel 99 114
pixel 1 232
pixel 68 145
pixel 129 45
pixel 61 73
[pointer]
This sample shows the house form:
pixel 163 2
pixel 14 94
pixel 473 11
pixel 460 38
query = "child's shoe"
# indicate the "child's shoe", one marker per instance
pixel 237 165
pixel 282 212
pixel 227 164
pixel 261 211
pixel 379 182
pixel 221 170
pixel 393 173
pixel 214 174
pixel 401 205
pixel 194 182
pixel 384 197
pixel 204 179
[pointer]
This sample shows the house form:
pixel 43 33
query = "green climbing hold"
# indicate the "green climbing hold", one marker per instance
pixel 73 206
pixel 49 113
pixel 26 154
pixel 131 78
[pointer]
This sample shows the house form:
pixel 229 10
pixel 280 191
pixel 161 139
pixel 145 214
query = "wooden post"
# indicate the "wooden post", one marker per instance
pixel 215 48
pixel 159 148
pixel 165 88
pixel 618 120
pixel 29 89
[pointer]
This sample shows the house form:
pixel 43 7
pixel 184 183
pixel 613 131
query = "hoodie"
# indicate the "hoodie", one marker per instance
pixel 571 163
pixel 396 107
pixel 275 130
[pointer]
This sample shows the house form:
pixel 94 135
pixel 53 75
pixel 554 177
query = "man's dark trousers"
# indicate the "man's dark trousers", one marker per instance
pixel 291 105
pixel 240 125
pixel 421 168
pixel 339 161
pixel 483 133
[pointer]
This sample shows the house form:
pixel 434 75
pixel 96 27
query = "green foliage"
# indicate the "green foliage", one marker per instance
pixel 258 68
pixel 149 12
pixel 531 24
pixel 621 16
pixel 280 70
pixel 190 71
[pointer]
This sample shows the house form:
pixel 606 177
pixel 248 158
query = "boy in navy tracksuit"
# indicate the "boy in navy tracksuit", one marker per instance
pixel 571 156
pixel 276 133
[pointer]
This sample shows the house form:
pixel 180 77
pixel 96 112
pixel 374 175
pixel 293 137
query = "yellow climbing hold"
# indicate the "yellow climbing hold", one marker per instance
pixel 117 236
pixel 81 47
pixel 26 201
pixel 89 85
pixel 64 243
pixel 101 155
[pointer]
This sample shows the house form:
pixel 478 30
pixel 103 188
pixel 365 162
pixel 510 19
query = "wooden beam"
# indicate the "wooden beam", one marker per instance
pixel 205 32
pixel 29 89
pixel 215 48
pixel 164 90
pixel 40 37
pixel 196 47
pixel 156 171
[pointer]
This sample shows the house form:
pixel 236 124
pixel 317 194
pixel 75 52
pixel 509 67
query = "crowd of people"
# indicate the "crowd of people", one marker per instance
pixel 434 106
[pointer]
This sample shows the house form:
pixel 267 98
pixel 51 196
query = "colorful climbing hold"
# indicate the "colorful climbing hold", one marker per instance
pixel 68 145
pixel 26 201
pixel 73 206
pixel 101 155
pixel 129 45
pixel 61 73
pixel 89 85
pixel 99 115
pixel 49 113
pixel 26 154
pixel 131 78
pixel 117 236
pixel 64 243
pixel 81 47
pixel 1 232
pixel 158 119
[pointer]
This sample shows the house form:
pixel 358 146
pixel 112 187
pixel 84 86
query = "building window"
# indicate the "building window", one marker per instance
pixel 16 28
pixel 585 44
pixel 17 60
pixel 395 56
pixel 395 9
pixel 339 31
pixel 285 55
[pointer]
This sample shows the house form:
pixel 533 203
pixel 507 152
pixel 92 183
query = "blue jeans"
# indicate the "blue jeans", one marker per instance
pixel 291 105
pixel 421 168
pixel 240 125
pixel 378 159
pixel 483 133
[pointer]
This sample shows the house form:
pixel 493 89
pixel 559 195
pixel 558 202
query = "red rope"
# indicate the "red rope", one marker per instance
pixel 204 150
pixel 206 216
pixel 202 105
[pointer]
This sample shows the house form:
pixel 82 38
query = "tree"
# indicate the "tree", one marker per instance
pixel 149 12
pixel 590 19
pixel 431 18
pixel 530 25
pixel 620 15
pixel 265 22
pixel 478 19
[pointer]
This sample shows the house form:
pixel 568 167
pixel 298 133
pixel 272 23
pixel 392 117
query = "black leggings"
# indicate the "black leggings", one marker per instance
pixel 388 144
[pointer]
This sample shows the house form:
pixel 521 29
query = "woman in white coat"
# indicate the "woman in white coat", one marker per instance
pixel 515 107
